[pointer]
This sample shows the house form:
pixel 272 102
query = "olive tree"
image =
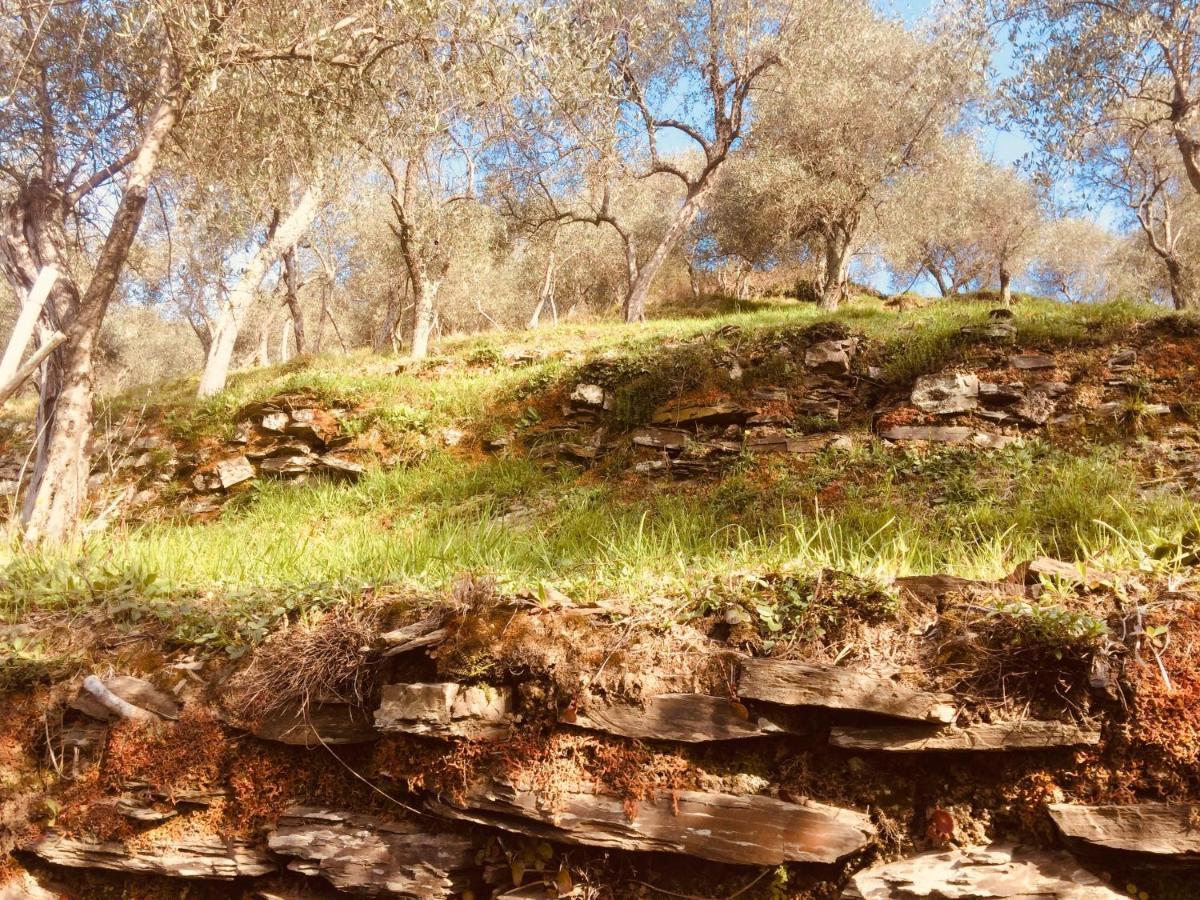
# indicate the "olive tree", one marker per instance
pixel 654 71
pixel 1083 62
pixel 95 91
pixel 839 135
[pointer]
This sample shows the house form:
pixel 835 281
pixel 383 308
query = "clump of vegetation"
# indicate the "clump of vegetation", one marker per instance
pixel 317 659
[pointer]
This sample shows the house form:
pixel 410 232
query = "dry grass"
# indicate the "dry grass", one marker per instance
pixel 320 660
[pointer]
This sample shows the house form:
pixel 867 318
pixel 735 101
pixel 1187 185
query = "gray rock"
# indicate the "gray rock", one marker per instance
pixel 1030 734
pixel 669 439
pixel 234 471
pixel 723 412
pixel 364 854
pixel 998 394
pixel 476 712
pixel 287 465
pixel 340 467
pixel 946 394
pixel 1036 408
pixel 791 683
pixel 185 857
pixel 831 357
pixel 745 829
pixel 315 725
pixel 690 718
pixel 588 395
pixel 1157 829
pixel 276 421
pixel 993 331
pixel 1122 360
pixel 997 872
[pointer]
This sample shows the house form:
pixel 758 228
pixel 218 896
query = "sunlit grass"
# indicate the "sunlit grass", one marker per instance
pixel 439 515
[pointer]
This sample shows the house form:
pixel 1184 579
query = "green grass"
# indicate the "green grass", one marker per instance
pixel 884 513
pixel 952 511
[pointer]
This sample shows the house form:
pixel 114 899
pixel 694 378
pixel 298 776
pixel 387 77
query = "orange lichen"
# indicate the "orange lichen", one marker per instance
pixel 173 755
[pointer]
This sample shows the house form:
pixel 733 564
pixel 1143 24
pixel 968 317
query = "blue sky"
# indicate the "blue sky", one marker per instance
pixel 1002 145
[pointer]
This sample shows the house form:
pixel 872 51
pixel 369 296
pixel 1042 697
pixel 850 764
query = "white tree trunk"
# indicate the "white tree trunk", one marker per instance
pixel 237 302
pixel 22 333
pixel 424 295
pixel 546 294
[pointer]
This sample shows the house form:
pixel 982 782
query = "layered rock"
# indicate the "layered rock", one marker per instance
pixel 368 855
pixel 475 712
pixel 790 683
pixel 998 872
pixel 752 830
pixel 185 857
pixel 1157 829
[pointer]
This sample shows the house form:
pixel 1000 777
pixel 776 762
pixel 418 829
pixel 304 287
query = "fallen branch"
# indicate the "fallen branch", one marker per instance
pixel 22 331
pixel 109 700
pixel 31 365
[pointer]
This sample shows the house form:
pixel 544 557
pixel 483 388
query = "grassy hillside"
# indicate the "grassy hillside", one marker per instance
pixel 425 512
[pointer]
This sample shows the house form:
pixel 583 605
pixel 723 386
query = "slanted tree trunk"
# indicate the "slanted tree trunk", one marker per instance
pixel 56 493
pixel 939 279
pixel 27 319
pixel 237 302
pixel 546 294
pixel 292 298
pixel 642 277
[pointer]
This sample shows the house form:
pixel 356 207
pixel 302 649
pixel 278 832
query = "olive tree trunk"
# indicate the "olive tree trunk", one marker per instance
pixel 642 277
pixel 235 304
pixel 837 239
pixel 54 501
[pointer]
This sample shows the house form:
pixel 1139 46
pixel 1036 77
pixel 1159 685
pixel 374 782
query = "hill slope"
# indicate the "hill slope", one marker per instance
pixel 753 591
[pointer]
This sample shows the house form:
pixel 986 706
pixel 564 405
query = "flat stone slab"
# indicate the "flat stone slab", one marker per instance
pixel 320 723
pixel 948 434
pixel 1028 361
pixel 690 718
pixel 791 683
pixel 831 357
pixel 1160 829
pixel 751 830
pixel 234 471
pixel 365 854
pixel 476 712
pixel 1027 735
pixel 997 872
pixel 670 439
pixel 934 587
pixel 1035 570
pixel 946 394
pixel 779 442
pixel 722 412
pixel 191 857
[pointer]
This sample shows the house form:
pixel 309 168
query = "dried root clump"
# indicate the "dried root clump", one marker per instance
pixel 317 661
